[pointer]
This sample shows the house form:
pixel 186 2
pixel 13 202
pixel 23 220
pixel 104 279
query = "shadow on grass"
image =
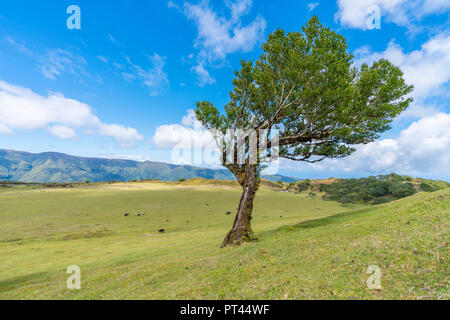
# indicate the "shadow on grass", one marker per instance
pixel 12 283
pixel 316 223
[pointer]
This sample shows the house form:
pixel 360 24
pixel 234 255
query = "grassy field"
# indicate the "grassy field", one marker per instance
pixel 307 249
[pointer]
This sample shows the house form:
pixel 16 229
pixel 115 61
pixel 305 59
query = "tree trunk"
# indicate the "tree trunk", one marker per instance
pixel 242 230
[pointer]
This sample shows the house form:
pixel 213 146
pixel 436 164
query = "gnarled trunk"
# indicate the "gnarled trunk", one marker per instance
pixel 242 230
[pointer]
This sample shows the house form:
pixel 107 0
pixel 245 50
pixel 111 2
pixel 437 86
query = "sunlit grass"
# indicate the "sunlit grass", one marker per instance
pixel 308 248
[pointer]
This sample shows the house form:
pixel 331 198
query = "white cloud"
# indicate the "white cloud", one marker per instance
pixel 112 39
pixel 427 68
pixel 219 36
pixel 421 149
pixel 103 59
pixel 312 5
pixel 417 111
pixel 22 109
pixel 171 4
pixel 4 129
pixel 190 119
pixel 185 135
pixel 19 45
pixel 54 62
pixel 154 78
pixel 62 132
pixel 353 14
pixel 179 136
pixel 203 76
pixel 125 136
pixel 57 62
pixel 424 146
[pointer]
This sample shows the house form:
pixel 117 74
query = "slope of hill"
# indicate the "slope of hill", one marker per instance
pixel 374 189
pixel 59 167
pixel 307 249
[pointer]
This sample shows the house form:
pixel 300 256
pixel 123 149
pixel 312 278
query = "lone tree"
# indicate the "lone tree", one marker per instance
pixel 305 87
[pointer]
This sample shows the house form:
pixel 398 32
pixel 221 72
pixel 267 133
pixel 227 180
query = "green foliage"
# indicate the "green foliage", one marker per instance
pixel 305 85
pixel 379 189
pixel 304 185
pixel 401 190
pixel 381 201
pixel 299 186
pixel 433 185
pixel 181 179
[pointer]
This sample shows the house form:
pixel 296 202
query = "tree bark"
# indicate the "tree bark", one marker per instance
pixel 241 230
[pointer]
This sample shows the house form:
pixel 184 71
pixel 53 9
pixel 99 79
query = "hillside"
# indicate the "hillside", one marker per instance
pixel 59 167
pixel 373 190
pixel 307 249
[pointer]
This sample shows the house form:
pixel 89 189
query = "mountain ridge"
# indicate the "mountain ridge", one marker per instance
pixel 60 167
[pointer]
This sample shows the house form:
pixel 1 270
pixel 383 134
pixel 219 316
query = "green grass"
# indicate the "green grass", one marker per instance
pixel 316 250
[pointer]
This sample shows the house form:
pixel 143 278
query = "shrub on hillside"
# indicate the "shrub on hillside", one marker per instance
pixel 401 190
pixel 380 200
pixel 369 189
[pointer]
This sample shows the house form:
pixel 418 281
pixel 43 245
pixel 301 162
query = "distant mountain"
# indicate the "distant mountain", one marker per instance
pixel 59 167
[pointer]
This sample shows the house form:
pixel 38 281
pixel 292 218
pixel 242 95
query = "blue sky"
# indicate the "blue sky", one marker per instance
pixel 122 85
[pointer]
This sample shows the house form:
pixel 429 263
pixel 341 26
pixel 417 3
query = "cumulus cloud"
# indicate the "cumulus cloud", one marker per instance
pixel 4 129
pixel 179 136
pixel 23 109
pixel 190 142
pixel 428 68
pixel 421 149
pixel 353 14
pixel 62 132
pixel 125 136
pixel 188 134
pixel 220 35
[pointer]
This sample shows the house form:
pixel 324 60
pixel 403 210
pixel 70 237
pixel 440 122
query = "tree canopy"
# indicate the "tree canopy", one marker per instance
pixel 306 88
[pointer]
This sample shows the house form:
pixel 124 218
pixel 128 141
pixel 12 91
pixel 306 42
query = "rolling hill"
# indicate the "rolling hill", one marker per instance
pixel 59 167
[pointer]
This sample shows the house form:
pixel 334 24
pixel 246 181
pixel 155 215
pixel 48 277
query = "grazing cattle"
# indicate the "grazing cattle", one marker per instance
pixel 228 213
pixel 167 220
pixel 161 230
pixel 188 220
pixel 126 215
pixel 139 214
